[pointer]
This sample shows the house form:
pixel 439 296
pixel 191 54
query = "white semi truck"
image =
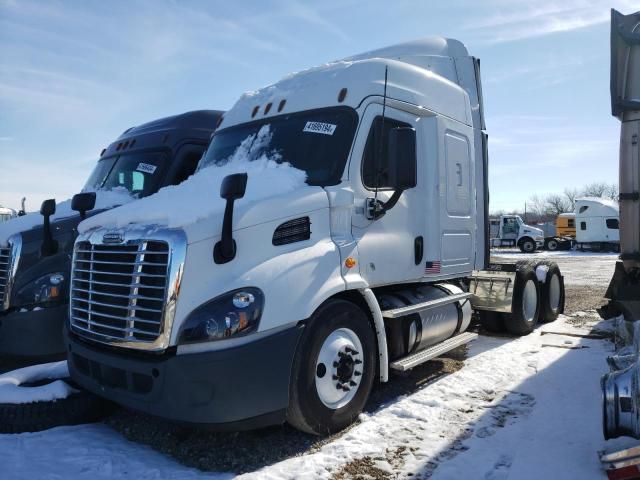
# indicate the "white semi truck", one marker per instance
pixel 511 231
pixel 289 308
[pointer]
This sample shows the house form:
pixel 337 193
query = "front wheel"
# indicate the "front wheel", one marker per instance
pixel 333 370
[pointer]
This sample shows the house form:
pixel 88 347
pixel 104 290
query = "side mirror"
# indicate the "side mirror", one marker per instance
pixel 83 202
pixel 233 186
pixel 48 207
pixel 401 151
pixel 49 245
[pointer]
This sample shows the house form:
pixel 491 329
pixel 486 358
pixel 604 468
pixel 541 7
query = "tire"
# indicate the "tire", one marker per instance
pixel 491 321
pixel 552 245
pixel 527 245
pixel 316 404
pixel 525 309
pixel 551 294
pixel 77 408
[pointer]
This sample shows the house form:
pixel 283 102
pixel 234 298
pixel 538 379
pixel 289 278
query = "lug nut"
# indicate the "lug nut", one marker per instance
pixel 352 383
pixel 357 374
pixel 357 362
pixel 336 364
pixel 351 350
pixel 338 386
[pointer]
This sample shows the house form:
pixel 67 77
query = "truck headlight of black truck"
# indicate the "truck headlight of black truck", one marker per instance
pixel 232 314
pixel 45 289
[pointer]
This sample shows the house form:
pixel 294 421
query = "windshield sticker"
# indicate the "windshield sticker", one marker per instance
pixel 319 127
pixel 146 168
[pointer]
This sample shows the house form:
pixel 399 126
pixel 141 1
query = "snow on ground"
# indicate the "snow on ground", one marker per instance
pixel 104 199
pixel 173 206
pixel 525 408
pixel 12 389
pixel 578 268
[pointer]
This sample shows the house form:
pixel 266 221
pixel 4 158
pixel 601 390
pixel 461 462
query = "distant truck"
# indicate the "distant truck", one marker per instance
pixel 598 224
pixel 566 225
pixel 6 214
pixel 271 304
pixel 511 231
pixel 35 252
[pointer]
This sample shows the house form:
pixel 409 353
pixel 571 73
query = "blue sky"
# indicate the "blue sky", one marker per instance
pixel 75 74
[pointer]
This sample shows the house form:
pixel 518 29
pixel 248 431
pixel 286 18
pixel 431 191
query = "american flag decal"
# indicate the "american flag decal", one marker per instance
pixel 432 267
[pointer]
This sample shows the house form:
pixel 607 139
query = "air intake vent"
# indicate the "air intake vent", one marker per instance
pixel 292 231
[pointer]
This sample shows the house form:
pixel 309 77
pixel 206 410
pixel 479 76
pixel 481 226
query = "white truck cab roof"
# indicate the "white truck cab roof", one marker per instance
pixel 434 72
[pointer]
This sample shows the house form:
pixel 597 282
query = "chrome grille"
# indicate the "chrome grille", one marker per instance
pixel 5 263
pixel 118 292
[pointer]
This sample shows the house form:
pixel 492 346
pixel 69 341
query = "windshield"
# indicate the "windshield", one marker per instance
pixel 137 172
pixel 316 141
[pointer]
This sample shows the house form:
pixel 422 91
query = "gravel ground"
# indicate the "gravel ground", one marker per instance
pixel 242 452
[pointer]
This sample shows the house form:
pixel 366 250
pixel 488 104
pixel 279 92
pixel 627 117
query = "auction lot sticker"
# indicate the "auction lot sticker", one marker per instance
pixel 146 168
pixel 319 127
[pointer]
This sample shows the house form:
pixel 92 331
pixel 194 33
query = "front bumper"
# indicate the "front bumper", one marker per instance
pixel 35 333
pixel 242 387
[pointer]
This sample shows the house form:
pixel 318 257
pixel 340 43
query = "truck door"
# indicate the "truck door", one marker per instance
pixel 387 246
pixel 457 197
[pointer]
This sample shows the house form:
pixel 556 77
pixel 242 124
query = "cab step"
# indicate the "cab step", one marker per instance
pixel 420 307
pixel 422 356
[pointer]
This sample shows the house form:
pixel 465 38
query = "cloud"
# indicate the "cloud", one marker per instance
pixel 520 20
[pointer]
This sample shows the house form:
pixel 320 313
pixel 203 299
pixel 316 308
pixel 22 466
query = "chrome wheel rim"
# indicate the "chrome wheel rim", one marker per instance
pixel 554 293
pixel 339 368
pixel 529 301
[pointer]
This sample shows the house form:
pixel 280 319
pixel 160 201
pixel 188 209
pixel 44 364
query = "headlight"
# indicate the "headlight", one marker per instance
pixel 233 314
pixel 47 288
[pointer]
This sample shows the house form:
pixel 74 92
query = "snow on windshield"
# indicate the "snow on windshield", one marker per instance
pixel 104 199
pixel 198 196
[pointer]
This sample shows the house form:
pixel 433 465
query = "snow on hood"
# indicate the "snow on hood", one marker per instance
pixel 104 199
pixel 198 197
pixel 12 391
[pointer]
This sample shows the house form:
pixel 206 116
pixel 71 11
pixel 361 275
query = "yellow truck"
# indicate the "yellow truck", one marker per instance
pixel 566 225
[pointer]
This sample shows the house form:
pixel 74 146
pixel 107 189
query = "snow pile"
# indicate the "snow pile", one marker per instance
pixel 198 197
pixel 12 391
pixel 104 199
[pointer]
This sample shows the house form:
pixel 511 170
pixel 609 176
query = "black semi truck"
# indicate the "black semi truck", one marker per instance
pixel 35 263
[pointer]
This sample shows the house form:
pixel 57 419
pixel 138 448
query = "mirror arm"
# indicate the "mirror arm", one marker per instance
pixel 376 209
pixel 225 250
pixel 49 245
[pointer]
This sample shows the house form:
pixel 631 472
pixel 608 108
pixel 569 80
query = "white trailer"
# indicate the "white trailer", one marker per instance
pixel 291 304
pixel 597 224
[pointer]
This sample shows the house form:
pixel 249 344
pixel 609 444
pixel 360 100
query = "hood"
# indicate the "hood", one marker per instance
pixel 30 225
pixel 535 231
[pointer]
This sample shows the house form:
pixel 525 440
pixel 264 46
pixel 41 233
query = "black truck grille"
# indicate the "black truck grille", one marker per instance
pixel 119 291
pixel 5 261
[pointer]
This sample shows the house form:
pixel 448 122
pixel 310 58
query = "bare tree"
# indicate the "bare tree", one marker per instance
pixel 557 204
pixel 571 194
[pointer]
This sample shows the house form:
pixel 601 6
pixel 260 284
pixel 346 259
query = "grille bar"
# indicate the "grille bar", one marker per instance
pixel 119 292
pixel 5 261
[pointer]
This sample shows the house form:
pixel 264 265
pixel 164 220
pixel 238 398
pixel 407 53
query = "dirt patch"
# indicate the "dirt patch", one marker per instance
pixel 582 298
pixel 361 469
